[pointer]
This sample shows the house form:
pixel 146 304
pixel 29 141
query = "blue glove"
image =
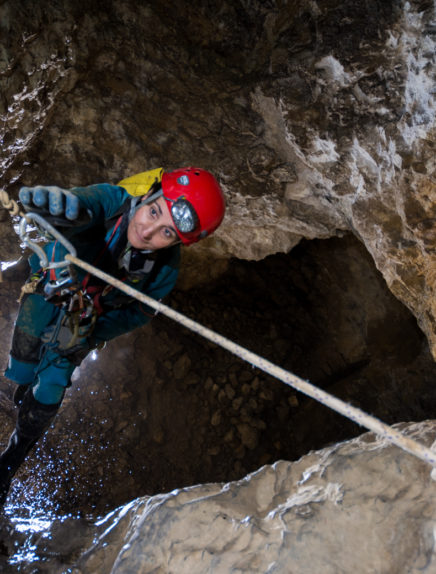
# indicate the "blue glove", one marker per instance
pixel 59 206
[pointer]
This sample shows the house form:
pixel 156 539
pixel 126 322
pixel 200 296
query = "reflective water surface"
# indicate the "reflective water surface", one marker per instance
pixel 36 537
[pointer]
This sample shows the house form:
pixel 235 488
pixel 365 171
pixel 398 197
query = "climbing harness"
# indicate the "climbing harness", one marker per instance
pixel 353 413
pixel 78 315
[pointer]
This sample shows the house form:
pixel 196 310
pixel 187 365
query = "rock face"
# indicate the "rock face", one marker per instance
pixel 161 408
pixel 359 506
pixel 319 120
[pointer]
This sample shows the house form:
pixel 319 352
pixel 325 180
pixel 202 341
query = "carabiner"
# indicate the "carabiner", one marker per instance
pixel 41 222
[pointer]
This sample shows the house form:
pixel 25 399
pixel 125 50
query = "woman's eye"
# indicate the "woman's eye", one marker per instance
pixel 153 211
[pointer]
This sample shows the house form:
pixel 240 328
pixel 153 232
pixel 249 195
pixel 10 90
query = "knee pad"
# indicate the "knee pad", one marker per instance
pixel 20 372
pixel 53 376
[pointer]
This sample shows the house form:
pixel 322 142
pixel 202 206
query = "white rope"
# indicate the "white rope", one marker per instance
pixel 352 413
pixel 345 409
pixel 9 204
pixel 12 206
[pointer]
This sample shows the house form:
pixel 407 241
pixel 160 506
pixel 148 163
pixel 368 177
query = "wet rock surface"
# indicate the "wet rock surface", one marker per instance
pixel 357 506
pixel 362 504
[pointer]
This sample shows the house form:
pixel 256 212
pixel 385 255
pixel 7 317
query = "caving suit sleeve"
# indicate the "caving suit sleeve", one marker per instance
pixel 102 200
pixel 119 321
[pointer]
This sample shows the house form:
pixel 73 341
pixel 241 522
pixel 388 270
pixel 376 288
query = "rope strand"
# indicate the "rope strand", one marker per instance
pixel 12 206
pixel 358 416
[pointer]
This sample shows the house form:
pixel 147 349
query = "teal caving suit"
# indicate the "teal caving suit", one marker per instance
pixel 102 242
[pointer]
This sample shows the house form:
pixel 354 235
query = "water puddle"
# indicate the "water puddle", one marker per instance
pixel 35 536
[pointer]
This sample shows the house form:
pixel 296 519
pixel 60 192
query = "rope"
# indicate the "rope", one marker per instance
pixel 12 206
pixel 345 409
pixel 356 415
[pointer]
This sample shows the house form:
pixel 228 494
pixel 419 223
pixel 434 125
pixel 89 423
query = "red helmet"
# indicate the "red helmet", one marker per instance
pixel 195 200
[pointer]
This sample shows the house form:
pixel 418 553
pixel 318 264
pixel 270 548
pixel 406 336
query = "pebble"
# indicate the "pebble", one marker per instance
pixel 216 418
pixel 259 424
pixel 182 366
pixel 192 379
pixel 236 403
pixel 255 383
pixel 252 403
pixel 209 384
pixel 249 436
pixel 229 436
pixel 233 379
pixel 266 395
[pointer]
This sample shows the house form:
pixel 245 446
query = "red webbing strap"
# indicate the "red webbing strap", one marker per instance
pixel 52 269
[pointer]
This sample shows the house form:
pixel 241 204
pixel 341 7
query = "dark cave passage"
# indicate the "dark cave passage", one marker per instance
pixel 324 313
pixel 162 408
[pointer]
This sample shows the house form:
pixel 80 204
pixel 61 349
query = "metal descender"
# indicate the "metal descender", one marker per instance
pixel 66 282
pixel 65 290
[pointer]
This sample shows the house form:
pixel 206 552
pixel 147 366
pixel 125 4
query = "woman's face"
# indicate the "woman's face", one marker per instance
pixel 152 227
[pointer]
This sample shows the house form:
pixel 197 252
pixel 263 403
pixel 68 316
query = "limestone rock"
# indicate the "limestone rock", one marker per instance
pixel 358 506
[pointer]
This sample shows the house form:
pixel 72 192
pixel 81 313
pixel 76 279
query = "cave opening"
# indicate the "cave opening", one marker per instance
pixel 161 408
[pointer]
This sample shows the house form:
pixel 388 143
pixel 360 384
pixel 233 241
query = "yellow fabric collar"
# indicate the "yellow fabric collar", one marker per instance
pixel 141 183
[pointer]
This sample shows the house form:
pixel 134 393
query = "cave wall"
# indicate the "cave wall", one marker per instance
pixel 318 118
pixel 362 505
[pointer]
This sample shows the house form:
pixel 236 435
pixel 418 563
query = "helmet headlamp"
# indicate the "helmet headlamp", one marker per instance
pixel 184 215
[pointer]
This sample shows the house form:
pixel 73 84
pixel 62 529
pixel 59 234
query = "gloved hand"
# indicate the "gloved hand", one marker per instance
pixel 59 206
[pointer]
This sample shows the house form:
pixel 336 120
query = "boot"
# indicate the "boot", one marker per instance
pixel 34 418
pixel 20 391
